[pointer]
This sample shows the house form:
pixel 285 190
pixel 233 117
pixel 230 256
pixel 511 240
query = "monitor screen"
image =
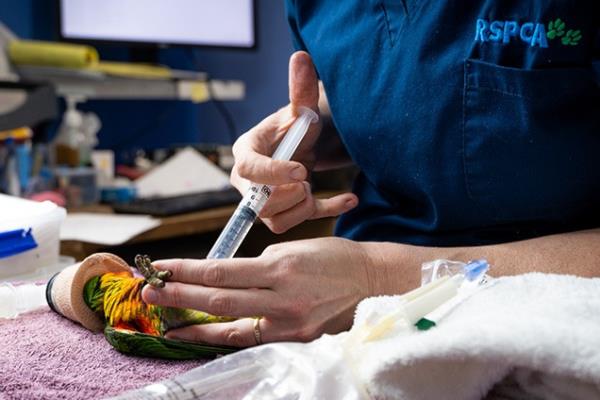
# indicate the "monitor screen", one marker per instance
pixel 185 22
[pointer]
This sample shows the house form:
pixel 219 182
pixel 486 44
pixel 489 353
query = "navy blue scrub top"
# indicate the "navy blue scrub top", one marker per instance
pixel 472 122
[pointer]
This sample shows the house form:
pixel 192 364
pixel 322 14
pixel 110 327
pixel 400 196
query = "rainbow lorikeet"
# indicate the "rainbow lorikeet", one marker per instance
pixel 135 327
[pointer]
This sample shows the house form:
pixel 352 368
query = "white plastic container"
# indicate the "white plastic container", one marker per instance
pixel 45 220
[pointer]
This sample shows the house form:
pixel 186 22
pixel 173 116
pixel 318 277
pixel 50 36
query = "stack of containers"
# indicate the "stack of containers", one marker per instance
pixel 29 239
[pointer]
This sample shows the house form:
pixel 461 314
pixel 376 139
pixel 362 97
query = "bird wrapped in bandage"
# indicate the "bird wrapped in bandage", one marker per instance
pixel 104 293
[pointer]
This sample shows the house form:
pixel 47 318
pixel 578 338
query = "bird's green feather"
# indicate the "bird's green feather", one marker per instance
pixel 141 344
pixel 93 295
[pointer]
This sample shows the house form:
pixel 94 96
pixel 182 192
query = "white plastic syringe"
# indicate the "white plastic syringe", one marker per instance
pixel 246 212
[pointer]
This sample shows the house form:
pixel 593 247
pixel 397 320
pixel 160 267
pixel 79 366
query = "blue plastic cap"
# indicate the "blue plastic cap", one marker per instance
pixel 476 268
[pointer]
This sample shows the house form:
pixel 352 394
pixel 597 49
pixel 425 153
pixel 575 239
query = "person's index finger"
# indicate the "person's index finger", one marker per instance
pixel 226 273
pixel 259 168
pixel 263 138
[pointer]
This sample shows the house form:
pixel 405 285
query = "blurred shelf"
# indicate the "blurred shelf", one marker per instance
pixel 87 85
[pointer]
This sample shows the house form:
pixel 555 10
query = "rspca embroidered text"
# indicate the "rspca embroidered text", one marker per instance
pixel 532 33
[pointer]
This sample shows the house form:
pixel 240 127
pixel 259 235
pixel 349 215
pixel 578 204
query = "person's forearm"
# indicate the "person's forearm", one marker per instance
pixel 395 268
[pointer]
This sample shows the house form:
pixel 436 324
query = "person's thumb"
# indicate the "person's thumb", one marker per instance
pixel 303 83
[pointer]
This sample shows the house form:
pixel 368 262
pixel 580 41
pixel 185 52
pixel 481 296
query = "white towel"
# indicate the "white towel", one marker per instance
pixel 535 336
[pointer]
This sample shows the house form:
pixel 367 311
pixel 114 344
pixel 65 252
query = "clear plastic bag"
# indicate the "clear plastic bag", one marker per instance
pixel 17 299
pixel 316 370
pixel 473 270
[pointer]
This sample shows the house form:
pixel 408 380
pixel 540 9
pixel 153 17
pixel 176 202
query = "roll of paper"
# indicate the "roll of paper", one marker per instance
pixel 51 54
pixel 130 70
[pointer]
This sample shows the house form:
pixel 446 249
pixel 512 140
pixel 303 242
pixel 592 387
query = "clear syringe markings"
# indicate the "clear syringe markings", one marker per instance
pixel 255 198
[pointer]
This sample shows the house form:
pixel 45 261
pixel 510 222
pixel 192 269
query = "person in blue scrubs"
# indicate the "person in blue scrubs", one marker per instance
pixel 476 128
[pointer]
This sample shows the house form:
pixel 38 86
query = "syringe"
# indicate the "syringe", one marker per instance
pixel 255 198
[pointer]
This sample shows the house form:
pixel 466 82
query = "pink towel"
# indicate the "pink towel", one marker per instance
pixel 45 356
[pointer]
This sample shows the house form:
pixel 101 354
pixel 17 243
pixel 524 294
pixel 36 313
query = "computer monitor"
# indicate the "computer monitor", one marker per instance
pixel 228 23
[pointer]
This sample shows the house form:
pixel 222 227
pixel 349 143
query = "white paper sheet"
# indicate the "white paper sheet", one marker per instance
pixel 186 172
pixel 106 229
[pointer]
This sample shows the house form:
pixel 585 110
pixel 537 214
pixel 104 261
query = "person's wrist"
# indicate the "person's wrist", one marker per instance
pixel 392 268
pixel 375 266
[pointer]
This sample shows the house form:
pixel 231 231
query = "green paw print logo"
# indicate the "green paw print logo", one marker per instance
pixel 556 29
pixel 572 38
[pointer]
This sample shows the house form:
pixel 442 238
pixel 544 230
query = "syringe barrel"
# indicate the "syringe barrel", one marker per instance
pixel 295 134
pixel 245 214
pixel 234 233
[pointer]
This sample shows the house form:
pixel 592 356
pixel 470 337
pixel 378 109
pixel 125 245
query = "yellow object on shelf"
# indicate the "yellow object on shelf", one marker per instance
pixel 199 92
pixel 128 70
pixel 66 55
pixel 16 134
pixel 51 54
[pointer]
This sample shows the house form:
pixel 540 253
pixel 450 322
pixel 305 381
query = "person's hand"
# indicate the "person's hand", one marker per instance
pixel 291 201
pixel 301 289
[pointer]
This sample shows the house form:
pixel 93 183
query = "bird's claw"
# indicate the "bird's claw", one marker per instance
pixel 152 276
